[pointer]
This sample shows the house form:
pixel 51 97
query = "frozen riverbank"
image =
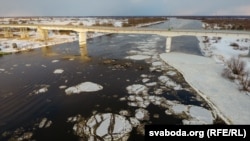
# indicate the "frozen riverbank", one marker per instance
pixel 204 75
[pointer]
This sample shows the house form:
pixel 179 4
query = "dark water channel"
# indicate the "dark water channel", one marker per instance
pixel 22 75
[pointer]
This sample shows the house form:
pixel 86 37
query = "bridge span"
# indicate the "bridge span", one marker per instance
pixel 42 30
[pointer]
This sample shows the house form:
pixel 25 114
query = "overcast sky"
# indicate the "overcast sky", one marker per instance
pixel 123 7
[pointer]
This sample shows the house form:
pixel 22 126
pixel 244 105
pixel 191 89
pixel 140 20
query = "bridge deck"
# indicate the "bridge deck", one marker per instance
pixel 133 30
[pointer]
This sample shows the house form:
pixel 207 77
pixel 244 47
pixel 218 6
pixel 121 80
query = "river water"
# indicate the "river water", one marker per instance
pixel 30 90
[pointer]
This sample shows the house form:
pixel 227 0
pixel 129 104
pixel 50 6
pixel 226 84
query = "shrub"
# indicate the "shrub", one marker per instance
pixel 235 46
pixel 14 45
pixel 245 81
pixel 235 68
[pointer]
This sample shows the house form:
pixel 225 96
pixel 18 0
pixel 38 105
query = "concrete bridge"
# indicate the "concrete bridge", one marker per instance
pixel 82 30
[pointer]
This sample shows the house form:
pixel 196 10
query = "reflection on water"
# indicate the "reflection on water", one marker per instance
pixel 84 53
pixel 48 51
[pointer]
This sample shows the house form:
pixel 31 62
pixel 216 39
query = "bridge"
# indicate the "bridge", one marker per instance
pixel 42 30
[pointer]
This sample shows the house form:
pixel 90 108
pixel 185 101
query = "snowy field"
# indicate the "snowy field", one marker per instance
pixel 6 45
pixel 204 73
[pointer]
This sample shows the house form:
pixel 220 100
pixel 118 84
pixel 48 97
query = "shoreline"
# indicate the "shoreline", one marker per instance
pixel 215 109
pixel 222 95
pixel 3 52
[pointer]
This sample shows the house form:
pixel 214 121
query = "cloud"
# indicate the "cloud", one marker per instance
pixel 122 7
pixel 241 10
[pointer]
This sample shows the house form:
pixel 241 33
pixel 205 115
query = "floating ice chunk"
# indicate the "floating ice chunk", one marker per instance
pixel 48 124
pixel 2 69
pixel 124 113
pixel 63 87
pixel 163 79
pixel 145 80
pixel 44 66
pixel 109 126
pixel 179 109
pixel 144 75
pixel 133 52
pixel 151 84
pixel 134 121
pixel 58 71
pixel 42 90
pixel 171 73
pixel 42 123
pixel 54 61
pixel 83 87
pixel 201 114
pixel 133 104
pixel 155 64
pixel 141 114
pixel 192 122
pixel 138 57
pixel 137 89
pixel 27 65
pixel 158 91
pixel 25 136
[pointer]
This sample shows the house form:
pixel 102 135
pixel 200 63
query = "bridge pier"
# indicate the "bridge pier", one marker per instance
pixel 7 32
pixel 24 33
pixel 168 44
pixel 82 39
pixel 43 33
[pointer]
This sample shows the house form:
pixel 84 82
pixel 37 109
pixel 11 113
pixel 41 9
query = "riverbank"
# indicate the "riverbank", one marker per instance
pixel 14 45
pixel 204 75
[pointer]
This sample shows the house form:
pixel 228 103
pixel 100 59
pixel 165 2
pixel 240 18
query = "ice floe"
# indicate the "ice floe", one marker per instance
pixel 43 89
pixel 83 87
pixel 138 57
pixel 171 73
pixel 106 126
pixel 58 71
pixel 54 61
pixel 137 89
pixel 141 114
pixel 169 82
pixel 25 136
pixel 62 87
pixel 155 64
pixel 201 114
pixel 45 123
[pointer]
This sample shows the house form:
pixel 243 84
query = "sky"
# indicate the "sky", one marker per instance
pixel 123 7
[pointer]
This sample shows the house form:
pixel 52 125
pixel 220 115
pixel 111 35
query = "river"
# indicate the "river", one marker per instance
pixel 31 91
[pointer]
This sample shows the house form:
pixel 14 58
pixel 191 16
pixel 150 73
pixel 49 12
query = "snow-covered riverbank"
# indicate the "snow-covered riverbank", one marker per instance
pixel 17 45
pixel 204 73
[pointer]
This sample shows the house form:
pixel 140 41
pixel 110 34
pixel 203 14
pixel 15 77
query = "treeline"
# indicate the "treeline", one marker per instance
pixel 138 21
pixel 232 24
